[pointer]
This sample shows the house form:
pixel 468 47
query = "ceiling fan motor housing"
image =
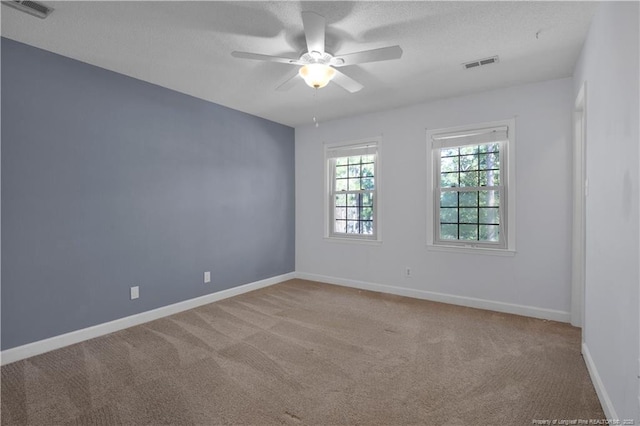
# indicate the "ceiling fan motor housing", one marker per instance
pixel 316 58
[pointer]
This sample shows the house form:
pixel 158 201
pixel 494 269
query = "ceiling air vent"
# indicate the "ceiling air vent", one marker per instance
pixel 480 62
pixel 31 7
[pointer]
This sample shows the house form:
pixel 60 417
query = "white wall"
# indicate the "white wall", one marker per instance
pixel 538 277
pixel 609 65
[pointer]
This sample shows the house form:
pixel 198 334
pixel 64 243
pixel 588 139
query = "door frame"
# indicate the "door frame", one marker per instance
pixel 580 192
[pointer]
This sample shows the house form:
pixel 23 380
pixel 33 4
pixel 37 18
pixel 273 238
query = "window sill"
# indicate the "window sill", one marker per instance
pixel 344 240
pixel 472 250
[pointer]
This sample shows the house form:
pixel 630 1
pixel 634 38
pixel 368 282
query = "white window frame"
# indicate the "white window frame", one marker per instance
pixel 333 151
pixel 472 135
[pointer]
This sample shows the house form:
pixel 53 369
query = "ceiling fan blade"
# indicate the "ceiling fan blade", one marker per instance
pixel 374 55
pixel 268 58
pixel 313 31
pixel 288 83
pixel 346 82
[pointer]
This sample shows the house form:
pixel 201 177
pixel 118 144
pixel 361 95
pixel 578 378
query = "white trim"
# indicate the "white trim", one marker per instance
pixel 601 391
pixel 472 250
pixel 369 148
pixel 57 342
pixel 471 137
pixel 351 240
pixel 469 133
pixel 578 245
pixel 472 302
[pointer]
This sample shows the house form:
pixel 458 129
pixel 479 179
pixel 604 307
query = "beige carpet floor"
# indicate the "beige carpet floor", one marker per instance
pixel 302 352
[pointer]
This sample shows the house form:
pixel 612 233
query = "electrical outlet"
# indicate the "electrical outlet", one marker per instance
pixel 135 292
pixel 407 272
pixel 207 277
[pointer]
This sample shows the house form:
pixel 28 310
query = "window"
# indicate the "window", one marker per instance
pixel 472 187
pixel 353 196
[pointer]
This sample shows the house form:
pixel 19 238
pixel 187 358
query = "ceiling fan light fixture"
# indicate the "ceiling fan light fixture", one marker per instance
pixel 317 75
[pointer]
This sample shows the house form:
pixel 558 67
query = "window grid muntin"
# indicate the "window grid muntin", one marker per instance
pixel 498 147
pixel 367 175
pixel 478 207
pixel 359 208
pixel 475 152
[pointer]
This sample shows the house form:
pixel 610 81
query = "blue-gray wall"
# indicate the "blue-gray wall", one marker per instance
pixel 110 182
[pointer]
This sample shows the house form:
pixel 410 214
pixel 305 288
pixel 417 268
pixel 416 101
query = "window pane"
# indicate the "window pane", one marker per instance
pixel 341 185
pixel 449 164
pixel 489 215
pixel 468 232
pixel 448 180
pixel 366 183
pixel 493 177
pixel 465 216
pixel 490 178
pixel 471 149
pixel 468 215
pixel 354 213
pixel 469 179
pixel 448 199
pixel 352 227
pixel 489 198
pixel 367 170
pixel 366 213
pixel 448 215
pixel 490 147
pixel 449 232
pixel 448 152
pixel 490 233
pixel 367 227
pixel 469 199
pixel 354 184
pixel 354 170
pixel 489 161
pixel 469 162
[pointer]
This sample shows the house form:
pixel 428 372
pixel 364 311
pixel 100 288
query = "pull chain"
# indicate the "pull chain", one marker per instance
pixel 315 106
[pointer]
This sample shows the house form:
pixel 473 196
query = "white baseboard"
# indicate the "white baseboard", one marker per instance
pixel 601 391
pixel 56 342
pixel 471 302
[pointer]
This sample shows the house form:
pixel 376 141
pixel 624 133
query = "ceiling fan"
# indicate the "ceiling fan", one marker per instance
pixel 318 67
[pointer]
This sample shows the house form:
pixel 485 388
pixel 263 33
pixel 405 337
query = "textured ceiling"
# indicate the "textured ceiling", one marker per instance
pixel 186 46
